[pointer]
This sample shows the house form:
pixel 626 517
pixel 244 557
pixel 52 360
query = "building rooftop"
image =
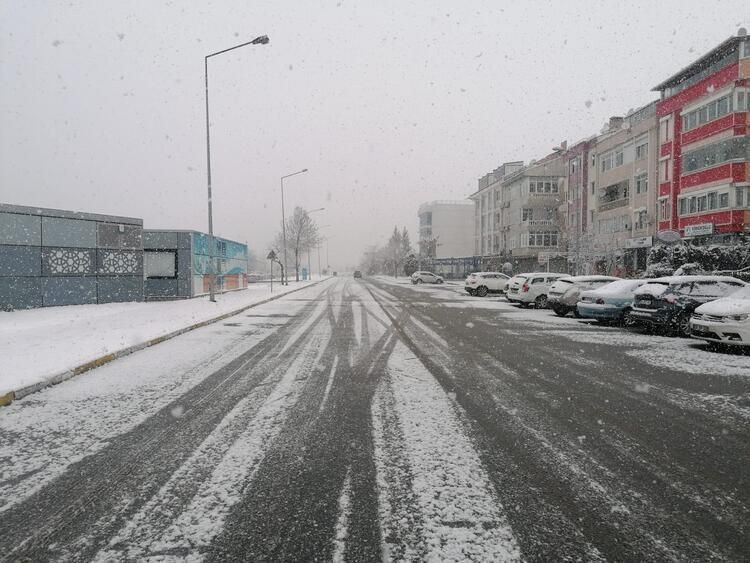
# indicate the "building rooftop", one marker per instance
pixel 64 214
pixel 713 56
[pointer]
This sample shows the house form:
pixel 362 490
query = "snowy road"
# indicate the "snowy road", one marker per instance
pixel 366 420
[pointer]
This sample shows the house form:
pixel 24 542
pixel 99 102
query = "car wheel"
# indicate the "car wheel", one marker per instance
pixel 627 319
pixel 439 281
pixel 541 302
pixel 683 325
pixel 419 280
pixel 559 311
pixel 576 314
pixel 482 291
pixel 470 291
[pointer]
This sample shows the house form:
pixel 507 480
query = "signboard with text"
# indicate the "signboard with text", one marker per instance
pixel 699 230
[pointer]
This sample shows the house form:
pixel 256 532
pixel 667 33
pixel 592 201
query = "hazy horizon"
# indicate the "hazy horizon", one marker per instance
pixel 387 104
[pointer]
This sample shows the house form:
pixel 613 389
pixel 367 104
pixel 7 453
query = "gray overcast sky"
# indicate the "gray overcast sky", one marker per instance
pixel 388 103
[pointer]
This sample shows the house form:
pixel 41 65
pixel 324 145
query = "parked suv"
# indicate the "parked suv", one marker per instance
pixel 482 283
pixel 532 288
pixel 667 303
pixel 563 295
pixel 425 277
pixel 357 274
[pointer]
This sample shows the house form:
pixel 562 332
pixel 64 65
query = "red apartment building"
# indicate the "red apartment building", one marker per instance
pixel 704 153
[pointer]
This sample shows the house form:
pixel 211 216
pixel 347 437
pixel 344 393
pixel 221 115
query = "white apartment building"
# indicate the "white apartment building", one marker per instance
pixel 446 229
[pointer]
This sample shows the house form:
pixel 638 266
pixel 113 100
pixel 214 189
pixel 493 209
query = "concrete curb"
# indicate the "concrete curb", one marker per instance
pixel 11 396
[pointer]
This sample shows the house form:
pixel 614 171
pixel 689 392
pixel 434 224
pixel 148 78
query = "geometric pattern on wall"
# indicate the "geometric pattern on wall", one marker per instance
pixel 119 262
pixel 68 261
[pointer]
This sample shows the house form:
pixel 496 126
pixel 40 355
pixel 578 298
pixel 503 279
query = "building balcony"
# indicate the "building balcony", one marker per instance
pixel 541 223
pixel 613 204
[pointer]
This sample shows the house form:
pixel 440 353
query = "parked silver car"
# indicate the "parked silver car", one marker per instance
pixel 563 295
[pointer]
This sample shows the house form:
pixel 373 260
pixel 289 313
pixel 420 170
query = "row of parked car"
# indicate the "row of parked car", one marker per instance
pixel 708 307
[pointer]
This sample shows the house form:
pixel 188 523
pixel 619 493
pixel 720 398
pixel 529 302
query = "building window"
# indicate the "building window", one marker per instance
pixel 640 219
pixel 713 200
pixel 665 210
pixel 664 170
pixel 160 264
pixel 641 151
pixel 619 158
pixel 724 200
pixel 665 130
pixel 527 214
pixel 739 192
pixel 641 183
pixel 716 153
pixel 593 188
pixel 741 95
pixel 713 110
pixel 543 238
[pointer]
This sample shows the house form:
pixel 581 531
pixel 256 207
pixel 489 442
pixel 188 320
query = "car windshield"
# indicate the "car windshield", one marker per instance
pixel 309 281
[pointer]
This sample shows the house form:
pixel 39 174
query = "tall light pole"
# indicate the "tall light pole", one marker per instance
pixel 213 260
pixel 283 222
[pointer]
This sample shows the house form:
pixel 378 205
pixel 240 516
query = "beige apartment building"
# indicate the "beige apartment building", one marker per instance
pixel 529 222
pixel 487 209
pixel 622 193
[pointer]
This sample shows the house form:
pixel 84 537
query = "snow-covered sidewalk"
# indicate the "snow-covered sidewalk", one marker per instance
pixel 38 344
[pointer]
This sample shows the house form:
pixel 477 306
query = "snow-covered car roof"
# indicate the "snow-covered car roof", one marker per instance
pixel 738 303
pixel 557 274
pixel 616 288
pixel 485 273
pixel 591 278
pixel 687 279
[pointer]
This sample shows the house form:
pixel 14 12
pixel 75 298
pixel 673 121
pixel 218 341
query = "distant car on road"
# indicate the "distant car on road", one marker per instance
pixel 668 303
pixel 482 283
pixel 425 277
pixel 563 295
pixel 611 302
pixel 532 288
pixel 724 321
pixel 357 274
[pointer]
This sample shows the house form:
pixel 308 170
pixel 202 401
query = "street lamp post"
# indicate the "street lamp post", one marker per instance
pixel 262 40
pixel 283 223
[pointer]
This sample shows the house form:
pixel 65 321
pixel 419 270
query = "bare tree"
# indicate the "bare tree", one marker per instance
pixel 302 236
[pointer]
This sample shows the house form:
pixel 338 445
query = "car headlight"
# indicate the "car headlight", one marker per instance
pixel 739 317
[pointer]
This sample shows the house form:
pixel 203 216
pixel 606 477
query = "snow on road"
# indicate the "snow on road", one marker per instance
pixel 461 517
pixel 38 343
pixel 46 432
pixel 233 451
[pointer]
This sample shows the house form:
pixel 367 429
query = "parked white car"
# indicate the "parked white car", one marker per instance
pixel 724 321
pixel 532 288
pixel 425 277
pixel 482 283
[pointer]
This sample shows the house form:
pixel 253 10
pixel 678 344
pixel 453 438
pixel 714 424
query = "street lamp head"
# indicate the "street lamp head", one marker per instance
pixel 262 40
pixel 304 170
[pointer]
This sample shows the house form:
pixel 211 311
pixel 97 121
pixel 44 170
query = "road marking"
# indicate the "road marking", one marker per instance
pixel 331 376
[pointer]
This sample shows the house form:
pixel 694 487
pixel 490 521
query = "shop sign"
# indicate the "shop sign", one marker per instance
pixel 699 230
pixel 639 242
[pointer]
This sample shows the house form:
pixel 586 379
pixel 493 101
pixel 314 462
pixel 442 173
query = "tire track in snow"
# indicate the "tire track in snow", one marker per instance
pixel 461 517
pixel 166 524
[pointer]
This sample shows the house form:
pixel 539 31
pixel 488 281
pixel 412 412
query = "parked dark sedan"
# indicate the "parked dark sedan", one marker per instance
pixel 667 303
